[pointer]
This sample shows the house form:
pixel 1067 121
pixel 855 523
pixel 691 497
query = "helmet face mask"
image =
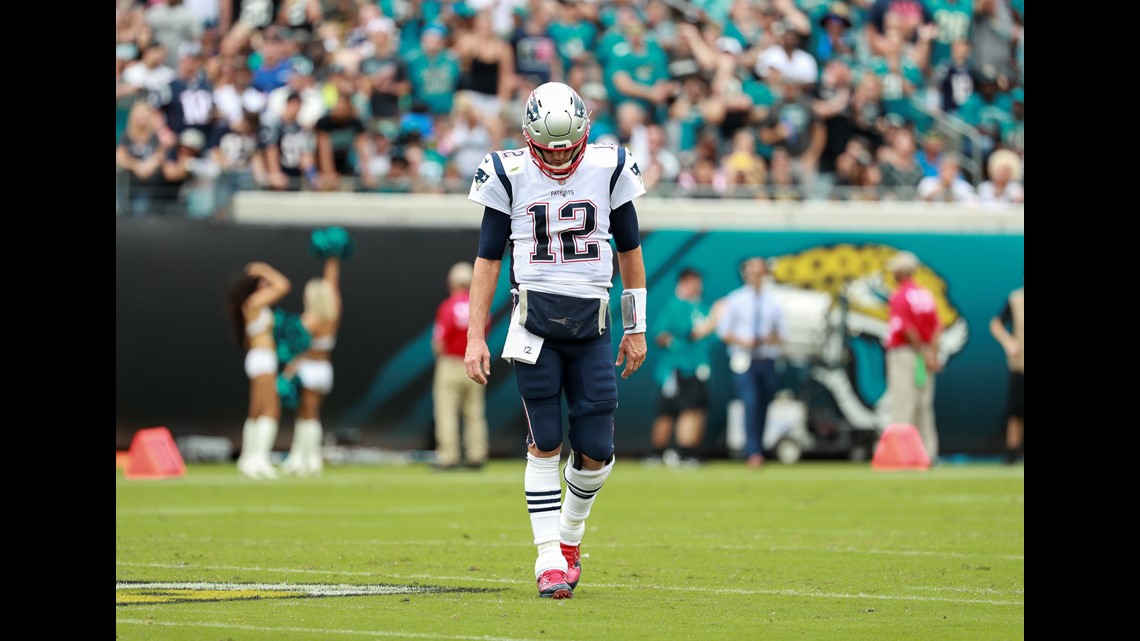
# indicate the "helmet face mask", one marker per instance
pixel 556 121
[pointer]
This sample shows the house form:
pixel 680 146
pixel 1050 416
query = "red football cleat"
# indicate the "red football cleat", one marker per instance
pixel 573 555
pixel 553 585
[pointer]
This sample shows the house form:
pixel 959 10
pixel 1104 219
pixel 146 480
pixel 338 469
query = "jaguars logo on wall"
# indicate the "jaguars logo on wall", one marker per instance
pixel 836 298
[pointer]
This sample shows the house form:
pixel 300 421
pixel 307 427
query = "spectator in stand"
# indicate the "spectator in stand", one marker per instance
pixel 696 108
pixel 1003 186
pixel 832 104
pixel 857 175
pixel 597 103
pixel 536 53
pixel 289 150
pixel 151 75
pixel 704 180
pixel 189 180
pixel 744 170
pixel 237 153
pixel 745 101
pixel 783 184
pixel 948 186
pixel 386 72
pixel 470 139
pixel 275 66
pixel 191 97
pixel 954 19
pixel 953 77
pixel 660 164
pixel 992 39
pixel 929 158
pixel 339 134
pixel 834 38
pixel 989 109
pixel 794 64
pixel 793 124
pixel 900 173
pixel 233 94
pixel 1013 133
pixel 574 34
pixel 487 65
pixel 132 35
pixel 172 24
pixel 434 72
pixel 639 73
pixel 867 116
pixel 631 129
pixel 909 15
pixel 139 155
pixel 899 73
pixel 301 84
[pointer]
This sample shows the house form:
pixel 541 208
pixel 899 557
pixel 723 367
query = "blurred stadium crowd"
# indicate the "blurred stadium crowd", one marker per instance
pixel 770 99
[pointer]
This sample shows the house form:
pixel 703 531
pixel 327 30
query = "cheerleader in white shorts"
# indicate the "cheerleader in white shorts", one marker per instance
pixel 250 302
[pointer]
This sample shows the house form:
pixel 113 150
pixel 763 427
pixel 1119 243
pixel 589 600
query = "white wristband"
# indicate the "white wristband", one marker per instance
pixel 633 310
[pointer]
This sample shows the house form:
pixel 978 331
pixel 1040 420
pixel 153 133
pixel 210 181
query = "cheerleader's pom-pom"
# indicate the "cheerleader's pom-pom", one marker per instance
pixel 289 389
pixel 331 242
pixel 290 334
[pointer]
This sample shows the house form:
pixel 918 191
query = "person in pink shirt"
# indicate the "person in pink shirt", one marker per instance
pixel 912 351
pixel 455 393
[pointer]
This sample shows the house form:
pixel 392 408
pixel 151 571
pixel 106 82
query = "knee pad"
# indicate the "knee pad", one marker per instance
pixel 592 428
pixel 544 421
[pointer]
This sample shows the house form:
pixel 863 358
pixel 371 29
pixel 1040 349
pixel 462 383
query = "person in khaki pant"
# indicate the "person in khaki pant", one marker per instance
pixel 455 393
pixel 1012 340
pixel 913 330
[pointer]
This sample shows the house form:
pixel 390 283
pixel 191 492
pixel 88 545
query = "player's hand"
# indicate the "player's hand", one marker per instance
pixel 477 360
pixel 632 351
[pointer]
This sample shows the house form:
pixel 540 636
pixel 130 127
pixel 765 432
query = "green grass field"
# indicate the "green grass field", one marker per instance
pixel 811 551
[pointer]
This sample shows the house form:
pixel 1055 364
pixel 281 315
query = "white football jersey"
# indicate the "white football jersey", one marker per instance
pixel 560 229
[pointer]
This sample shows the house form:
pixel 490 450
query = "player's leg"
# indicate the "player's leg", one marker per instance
pixel 474 421
pixel 900 386
pixel 661 433
pixel 927 427
pixel 693 400
pixel 748 392
pixel 540 386
pixel 768 383
pixel 591 394
pixel 1015 423
pixel 446 393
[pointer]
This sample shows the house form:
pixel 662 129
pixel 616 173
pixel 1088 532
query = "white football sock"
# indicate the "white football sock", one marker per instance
pixel 544 502
pixel 581 489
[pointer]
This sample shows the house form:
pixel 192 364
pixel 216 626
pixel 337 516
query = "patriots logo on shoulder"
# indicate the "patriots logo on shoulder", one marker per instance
pixel 480 178
pixel 636 172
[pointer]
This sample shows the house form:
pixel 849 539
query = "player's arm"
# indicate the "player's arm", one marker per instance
pixel 631 266
pixel 998 329
pixel 437 332
pixel 494 233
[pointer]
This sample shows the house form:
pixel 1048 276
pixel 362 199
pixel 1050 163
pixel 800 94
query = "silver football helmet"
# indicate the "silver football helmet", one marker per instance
pixel 556 121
